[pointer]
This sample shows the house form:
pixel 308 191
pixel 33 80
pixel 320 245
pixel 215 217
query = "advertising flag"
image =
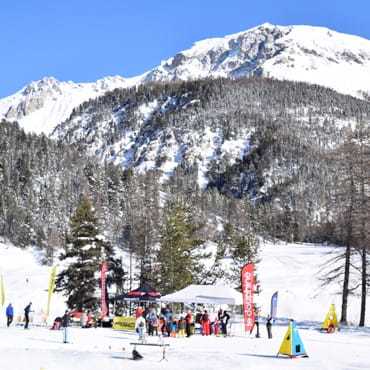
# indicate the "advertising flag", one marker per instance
pixel 51 288
pixel 103 282
pixel 247 292
pixel 2 291
pixel 274 300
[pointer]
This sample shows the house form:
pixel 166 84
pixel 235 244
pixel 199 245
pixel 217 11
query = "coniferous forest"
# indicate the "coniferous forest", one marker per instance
pixel 303 175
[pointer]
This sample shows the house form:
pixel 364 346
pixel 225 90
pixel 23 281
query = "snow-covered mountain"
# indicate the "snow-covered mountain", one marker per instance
pixel 42 104
pixel 300 53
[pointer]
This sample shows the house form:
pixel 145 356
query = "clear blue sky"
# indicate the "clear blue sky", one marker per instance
pixel 83 40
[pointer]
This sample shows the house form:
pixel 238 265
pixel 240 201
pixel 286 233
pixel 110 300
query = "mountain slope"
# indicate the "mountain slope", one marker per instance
pixel 41 105
pixel 298 53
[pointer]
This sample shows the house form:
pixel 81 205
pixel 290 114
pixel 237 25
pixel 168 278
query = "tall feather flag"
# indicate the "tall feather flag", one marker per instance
pixel 51 288
pixel 2 291
pixel 274 300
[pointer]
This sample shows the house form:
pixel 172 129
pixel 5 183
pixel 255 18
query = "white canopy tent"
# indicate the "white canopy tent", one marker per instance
pixel 206 294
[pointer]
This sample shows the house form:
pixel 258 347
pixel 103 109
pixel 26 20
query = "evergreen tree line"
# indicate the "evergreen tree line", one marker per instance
pixel 299 180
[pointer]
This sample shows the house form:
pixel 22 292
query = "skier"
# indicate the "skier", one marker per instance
pixel 9 314
pixel 224 321
pixel 65 324
pixel 27 311
pixel 268 326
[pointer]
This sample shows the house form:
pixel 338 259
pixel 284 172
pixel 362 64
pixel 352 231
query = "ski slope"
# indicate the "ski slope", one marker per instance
pixel 97 349
pixel 291 269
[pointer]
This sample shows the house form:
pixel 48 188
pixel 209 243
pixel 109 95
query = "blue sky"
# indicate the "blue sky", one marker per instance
pixel 83 40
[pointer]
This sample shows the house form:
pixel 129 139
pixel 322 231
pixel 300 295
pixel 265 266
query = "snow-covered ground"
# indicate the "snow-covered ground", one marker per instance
pixel 293 270
pixel 90 349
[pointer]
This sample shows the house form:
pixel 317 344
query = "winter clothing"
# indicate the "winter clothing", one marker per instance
pixel 27 311
pixel 257 324
pixel 152 320
pixel 224 321
pixel 189 323
pixel 206 330
pixel 268 327
pixel 9 314
pixel 140 327
pixel 65 320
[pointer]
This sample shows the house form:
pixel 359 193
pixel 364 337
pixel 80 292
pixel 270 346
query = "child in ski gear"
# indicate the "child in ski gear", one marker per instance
pixel 181 326
pixel 268 326
pixel 27 311
pixel 140 327
pixel 162 325
pixel 9 315
pixel 152 320
pixel 173 328
pixel 224 321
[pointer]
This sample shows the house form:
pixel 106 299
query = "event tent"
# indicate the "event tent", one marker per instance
pixel 144 293
pixel 206 294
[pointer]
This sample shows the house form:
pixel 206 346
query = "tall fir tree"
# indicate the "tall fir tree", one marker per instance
pixel 178 261
pixel 85 250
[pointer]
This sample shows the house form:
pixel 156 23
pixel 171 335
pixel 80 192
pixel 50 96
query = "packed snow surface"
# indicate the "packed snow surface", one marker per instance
pixel 292 270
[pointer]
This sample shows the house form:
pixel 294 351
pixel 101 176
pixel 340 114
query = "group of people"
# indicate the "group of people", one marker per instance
pixel 257 326
pixel 167 324
pixel 214 324
pixel 10 315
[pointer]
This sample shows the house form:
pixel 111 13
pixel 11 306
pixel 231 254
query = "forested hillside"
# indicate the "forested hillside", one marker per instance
pixel 223 160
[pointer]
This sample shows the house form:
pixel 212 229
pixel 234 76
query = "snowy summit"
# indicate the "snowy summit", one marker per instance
pixel 315 55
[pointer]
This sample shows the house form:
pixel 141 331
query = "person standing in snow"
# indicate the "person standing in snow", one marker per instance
pixel 9 315
pixel 65 324
pixel 140 327
pixel 189 323
pixel 224 321
pixel 257 324
pixel 268 326
pixel 27 311
pixel 205 323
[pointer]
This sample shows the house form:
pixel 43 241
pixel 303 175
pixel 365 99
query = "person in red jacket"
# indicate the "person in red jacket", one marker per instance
pixel 206 324
pixel 188 323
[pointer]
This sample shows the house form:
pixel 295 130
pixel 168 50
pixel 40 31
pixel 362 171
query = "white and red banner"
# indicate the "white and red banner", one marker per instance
pixel 247 291
pixel 103 282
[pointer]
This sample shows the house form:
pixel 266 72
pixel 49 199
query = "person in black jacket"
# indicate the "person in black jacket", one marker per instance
pixel 268 326
pixel 65 324
pixel 65 320
pixel 27 311
pixel 224 321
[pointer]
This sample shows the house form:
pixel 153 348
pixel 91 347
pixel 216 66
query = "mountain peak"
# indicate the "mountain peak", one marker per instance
pixel 310 54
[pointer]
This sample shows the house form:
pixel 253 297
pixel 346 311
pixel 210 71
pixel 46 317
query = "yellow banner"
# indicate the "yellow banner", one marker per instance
pixel 2 291
pixel 51 288
pixel 124 323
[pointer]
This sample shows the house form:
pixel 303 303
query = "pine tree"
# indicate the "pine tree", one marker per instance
pixel 85 250
pixel 177 258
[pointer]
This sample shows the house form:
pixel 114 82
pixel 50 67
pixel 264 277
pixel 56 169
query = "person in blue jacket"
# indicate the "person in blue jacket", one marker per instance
pixel 9 314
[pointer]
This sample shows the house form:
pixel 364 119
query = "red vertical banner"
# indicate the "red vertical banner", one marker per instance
pixel 103 283
pixel 247 277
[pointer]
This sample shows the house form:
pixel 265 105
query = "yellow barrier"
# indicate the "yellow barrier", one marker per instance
pixel 124 323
